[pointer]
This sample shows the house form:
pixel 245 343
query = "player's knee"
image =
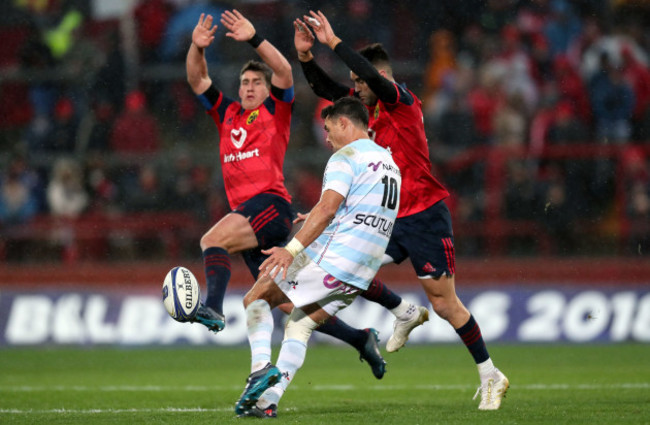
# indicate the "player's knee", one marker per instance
pixel 446 307
pixel 249 298
pixel 257 308
pixel 299 326
pixel 210 240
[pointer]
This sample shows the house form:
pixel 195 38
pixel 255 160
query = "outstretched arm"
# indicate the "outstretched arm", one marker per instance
pixel 319 218
pixel 241 29
pixel 195 63
pixel 381 86
pixel 318 80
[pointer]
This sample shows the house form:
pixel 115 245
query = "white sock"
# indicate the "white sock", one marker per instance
pixel 259 326
pixel 291 358
pixel 403 310
pixel 485 369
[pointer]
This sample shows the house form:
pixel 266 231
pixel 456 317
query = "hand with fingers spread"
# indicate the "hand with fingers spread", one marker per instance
pixel 322 28
pixel 203 34
pixel 303 39
pixel 278 261
pixel 240 28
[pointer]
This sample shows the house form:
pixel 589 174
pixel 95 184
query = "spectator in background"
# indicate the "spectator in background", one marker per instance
pixel 104 192
pixel 566 127
pixel 455 130
pixel 182 184
pixel 522 195
pixel 637 76
pixel 63 137
pixel 511 122
pixel 637 186
pixel 136 129
pixel 484 100
pixel 306 188
pixel 148 194
pixel 18 198
pixel 152 17
pixel 57 135
pixel 95 128
pixel 110 81
pixel 612 100
pixel 563 28
pixel 442 64
pixel 571 88
pixel 557 212
pixel 66 195
pixel 178 32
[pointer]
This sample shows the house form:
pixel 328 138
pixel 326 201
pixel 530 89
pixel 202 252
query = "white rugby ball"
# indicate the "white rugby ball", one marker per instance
pixel 181 294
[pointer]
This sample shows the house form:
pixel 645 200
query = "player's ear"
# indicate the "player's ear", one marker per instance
pixel 343 122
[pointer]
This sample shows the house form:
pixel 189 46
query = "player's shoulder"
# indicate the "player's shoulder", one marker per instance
pixel 405 97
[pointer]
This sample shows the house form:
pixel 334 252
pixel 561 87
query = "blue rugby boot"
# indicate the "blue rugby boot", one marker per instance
pixel 370 353
pixel 256 384
pixel 210 318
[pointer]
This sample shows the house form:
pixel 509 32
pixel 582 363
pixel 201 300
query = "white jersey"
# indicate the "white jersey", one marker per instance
pixel 352 246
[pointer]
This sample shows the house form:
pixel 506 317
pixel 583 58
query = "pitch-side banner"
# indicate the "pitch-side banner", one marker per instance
pixel 508 314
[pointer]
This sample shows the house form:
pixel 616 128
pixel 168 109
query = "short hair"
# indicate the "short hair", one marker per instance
pixel 349 107
pixel 257 66
pixel 376 55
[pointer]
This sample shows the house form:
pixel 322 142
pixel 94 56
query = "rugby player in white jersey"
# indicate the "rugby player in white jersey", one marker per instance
pixel 331 259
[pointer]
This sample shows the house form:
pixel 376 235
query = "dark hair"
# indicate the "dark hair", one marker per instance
pixel 257 66
pixel 376 54
pixel 349 107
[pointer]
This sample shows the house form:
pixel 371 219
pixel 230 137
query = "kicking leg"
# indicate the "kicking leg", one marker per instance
pixel 232 234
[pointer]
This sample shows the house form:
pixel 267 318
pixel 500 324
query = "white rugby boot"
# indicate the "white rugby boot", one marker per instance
pixel 492 390
pixel 403 327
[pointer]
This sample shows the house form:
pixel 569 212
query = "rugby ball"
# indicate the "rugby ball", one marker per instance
pixel 181 294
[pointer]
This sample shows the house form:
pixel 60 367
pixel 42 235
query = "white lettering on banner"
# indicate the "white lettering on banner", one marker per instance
pixel 546 309
pixel 641 327
pixel 29 320
pixel 586 317
pixel 548 315
pixel 98 331
pixel 491 312
pixel 67 325
pixel 623 305
pixel 139 320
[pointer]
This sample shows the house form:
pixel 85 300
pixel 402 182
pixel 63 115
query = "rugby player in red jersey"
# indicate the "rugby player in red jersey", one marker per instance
pixel 423 230
pixel 253 139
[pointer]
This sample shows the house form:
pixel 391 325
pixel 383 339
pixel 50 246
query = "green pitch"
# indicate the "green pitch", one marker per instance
pixel 565 384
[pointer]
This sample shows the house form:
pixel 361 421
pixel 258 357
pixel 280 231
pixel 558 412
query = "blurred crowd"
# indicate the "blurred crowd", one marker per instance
pixel 97 117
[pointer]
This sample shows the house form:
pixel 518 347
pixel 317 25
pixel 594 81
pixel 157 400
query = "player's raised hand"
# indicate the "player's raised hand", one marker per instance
pixel 239 27
pixel 303 39
pixel 203 34
pixel 321 27
pixel 279 260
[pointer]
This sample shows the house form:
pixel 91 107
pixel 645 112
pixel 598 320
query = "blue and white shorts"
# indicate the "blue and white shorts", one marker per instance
pixel 307 283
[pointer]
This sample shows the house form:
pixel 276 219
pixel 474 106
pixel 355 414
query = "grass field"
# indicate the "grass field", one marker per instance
pixel 563 384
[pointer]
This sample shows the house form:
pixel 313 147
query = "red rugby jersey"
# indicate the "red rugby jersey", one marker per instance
pixel 399 127
pixel 252 146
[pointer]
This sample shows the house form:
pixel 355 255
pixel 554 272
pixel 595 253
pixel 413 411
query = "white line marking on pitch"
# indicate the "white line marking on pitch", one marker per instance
pixel 331 387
